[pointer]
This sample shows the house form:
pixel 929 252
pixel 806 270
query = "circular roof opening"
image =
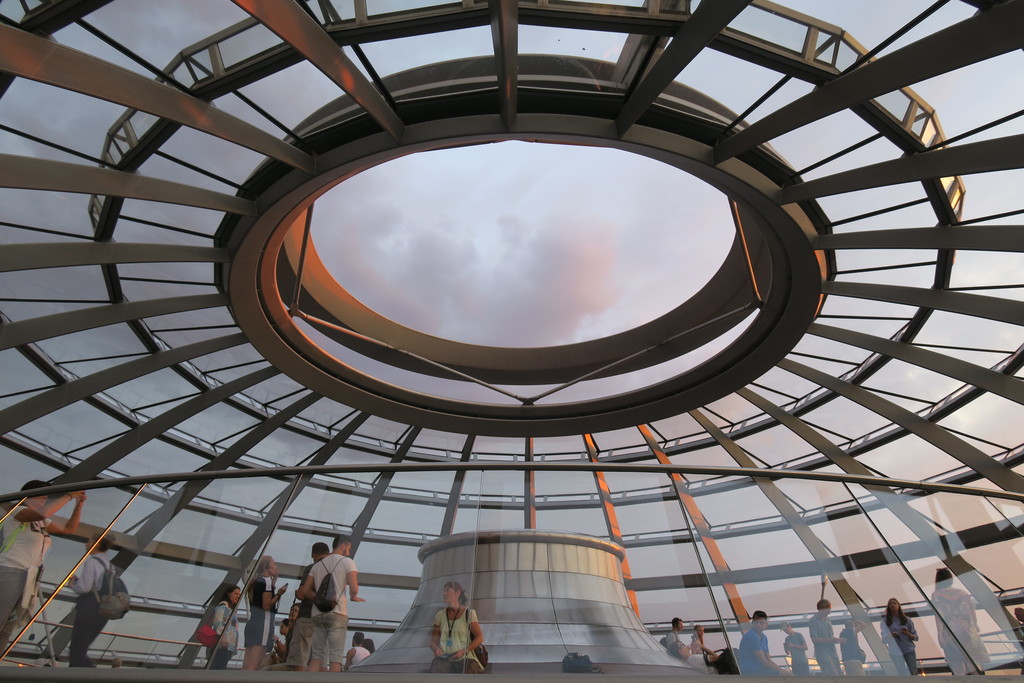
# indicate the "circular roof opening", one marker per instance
pixel 519 244
pixel 721 327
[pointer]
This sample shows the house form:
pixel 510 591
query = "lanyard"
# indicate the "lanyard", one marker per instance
pixel 451 622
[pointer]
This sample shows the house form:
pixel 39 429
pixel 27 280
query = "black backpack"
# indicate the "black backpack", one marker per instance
pixel 726 665
pixel 326 598
pixel 575 663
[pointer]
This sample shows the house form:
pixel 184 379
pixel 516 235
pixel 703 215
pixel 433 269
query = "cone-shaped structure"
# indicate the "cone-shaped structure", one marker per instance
pixel 539 595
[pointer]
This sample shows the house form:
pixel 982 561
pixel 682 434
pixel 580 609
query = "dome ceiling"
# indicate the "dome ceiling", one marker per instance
pixel 164 310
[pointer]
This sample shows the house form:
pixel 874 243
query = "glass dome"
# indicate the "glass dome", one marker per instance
pixel 827 407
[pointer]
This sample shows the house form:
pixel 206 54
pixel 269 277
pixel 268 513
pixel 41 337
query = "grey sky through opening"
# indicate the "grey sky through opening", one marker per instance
pixel 520 244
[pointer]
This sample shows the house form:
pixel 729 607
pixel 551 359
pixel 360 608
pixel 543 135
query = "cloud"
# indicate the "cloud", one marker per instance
pixel 518 244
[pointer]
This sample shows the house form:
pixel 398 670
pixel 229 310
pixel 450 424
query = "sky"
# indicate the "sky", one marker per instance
pixel 523 244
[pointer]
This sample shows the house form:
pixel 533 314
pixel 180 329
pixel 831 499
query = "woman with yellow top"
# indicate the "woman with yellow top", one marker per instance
pixel 456 635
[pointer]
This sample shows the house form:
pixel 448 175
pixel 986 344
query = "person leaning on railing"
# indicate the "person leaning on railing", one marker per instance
pixel 25 542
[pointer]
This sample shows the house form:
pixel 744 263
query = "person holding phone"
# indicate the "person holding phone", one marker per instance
pixel 900 637
pixel 263 596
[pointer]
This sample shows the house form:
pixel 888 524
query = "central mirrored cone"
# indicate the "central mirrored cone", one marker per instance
pixel 539 595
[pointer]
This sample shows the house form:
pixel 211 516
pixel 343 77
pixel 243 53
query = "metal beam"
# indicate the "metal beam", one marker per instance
pixel 505 35
pixel 62 395
pixel 955 447
pixel 49 255
pixel 986 34
pixel 611 518
pixel 451 510
pixel 138 436
pixel 700 525
pixel 161 517
pixel 50 17
pixel 29 56
pixel 26 173
pixel 575 466
pixel 57 324
pixel 994 382
pixel 529 488
pixel 380 487
pixel 970 237
pixel 978 157
pixel 293 25
pixel 974 305
pixel 703 26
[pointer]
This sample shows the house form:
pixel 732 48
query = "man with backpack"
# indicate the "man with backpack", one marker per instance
pixel 325 586
pixel 302 628
pixel 87 583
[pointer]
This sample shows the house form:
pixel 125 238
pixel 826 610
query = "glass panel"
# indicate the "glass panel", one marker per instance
pixel 400 54
pixel 970 629
pixel 247 44
pixel 771 26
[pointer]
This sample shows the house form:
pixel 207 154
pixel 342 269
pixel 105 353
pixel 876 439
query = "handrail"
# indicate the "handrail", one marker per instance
pixel 752 472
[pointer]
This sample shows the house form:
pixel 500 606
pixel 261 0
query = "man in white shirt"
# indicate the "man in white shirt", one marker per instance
pixel 329 627
pixel 26 540
pixel 87 582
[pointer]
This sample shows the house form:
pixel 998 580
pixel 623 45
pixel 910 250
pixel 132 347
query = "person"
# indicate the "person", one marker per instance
pixel 825 641
pixel 674 642
pixel 279 653
pixel 853 654
pixel 796 648
pixel 456 634
pixel 368 644
pixel 225 622
pixel 86 583
pixel 357 652
pixel 900 638
pixel 698 649
pixel 301 634
pixel 329 627
pixel 26 540
pixel 263 595
pixel 957 626
pixel 754 659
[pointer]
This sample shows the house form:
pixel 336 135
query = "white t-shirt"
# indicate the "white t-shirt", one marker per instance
pixel 340 567
pixel 30 543
pixel 89 576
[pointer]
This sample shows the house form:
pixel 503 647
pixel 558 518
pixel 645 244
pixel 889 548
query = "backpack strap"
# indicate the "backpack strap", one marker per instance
pixel 334 568
pixel 106 577
pixel 10 541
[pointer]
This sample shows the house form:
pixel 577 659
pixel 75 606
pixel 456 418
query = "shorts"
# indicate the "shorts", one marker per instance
pixel 302 642
pixel 329 637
